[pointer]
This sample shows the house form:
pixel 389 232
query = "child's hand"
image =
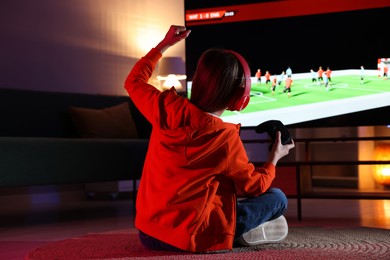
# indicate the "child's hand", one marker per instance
pixel 279 150
pixel 175 34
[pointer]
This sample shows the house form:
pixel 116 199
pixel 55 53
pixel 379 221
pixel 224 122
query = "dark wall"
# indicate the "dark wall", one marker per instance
pixel 60 46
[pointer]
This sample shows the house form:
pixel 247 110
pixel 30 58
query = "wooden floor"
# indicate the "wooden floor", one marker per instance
pixel 21 231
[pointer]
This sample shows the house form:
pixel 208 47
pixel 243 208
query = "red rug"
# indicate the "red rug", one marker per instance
pixel 301 243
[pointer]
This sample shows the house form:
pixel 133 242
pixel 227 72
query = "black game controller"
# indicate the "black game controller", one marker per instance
pixel 271 127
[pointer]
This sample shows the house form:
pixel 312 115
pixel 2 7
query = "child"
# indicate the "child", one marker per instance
pixel 287 87
pixel 267 77
pixel 274 82
pixel 328 73
pixel 320 76
pixel 196 166
pixel 362 75
pixel 289 72
pixel 326 81
pixel 313 76
pixel 258 76
pixel 281 77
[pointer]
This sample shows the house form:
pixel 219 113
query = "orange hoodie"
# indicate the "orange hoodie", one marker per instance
pixel 195 166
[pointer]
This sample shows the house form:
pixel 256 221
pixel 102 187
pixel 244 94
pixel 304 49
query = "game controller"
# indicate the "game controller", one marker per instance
pixel 271 127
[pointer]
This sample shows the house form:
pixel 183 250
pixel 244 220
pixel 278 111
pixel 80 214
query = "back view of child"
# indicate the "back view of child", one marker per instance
pixel 196 168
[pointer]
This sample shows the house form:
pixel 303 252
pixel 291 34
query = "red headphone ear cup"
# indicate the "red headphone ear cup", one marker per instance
pixel 242 103
pixel 238 102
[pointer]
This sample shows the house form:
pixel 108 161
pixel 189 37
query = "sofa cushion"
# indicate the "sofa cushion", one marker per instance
pixel 110 122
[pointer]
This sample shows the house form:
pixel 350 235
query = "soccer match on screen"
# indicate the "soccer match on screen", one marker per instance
pixel 318 93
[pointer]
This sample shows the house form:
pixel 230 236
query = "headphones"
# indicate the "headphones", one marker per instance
pixel 241 100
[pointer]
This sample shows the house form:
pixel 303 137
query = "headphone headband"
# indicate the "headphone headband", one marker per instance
pixel 241 100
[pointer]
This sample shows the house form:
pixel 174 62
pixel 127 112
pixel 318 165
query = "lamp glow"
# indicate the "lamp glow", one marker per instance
pixel 171 70
pixel 382 171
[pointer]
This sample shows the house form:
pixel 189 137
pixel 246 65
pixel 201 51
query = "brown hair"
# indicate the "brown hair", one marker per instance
pixel 217 78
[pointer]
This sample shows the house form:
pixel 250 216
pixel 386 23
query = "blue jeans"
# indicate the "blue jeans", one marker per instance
pixel 254 211
pixel 251 212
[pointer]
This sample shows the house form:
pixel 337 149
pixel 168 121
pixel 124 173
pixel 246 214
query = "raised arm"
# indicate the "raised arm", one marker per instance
pixel 175 34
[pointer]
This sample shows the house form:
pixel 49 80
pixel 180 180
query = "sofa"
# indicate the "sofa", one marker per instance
pixel 50 138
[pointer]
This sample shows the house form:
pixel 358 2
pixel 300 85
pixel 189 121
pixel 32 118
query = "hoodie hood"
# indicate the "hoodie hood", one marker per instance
pixel 189 132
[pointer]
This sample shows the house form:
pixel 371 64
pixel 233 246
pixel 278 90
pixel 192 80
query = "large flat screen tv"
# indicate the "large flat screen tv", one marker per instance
pixel 348 37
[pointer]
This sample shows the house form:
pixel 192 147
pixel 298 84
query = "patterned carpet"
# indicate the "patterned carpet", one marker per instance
pixel 301 243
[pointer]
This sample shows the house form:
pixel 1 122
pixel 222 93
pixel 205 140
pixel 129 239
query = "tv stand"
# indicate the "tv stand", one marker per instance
pixel 302 171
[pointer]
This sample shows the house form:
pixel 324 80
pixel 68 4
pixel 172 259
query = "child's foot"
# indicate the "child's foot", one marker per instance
pixel 269 232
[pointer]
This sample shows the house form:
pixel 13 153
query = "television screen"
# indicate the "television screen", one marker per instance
pixel 347 40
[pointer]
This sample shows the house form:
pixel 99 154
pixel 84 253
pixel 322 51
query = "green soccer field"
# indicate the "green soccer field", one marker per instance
pixel 343 91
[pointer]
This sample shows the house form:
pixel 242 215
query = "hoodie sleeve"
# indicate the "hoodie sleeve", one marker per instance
pixel 249 180
pixel 137 86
